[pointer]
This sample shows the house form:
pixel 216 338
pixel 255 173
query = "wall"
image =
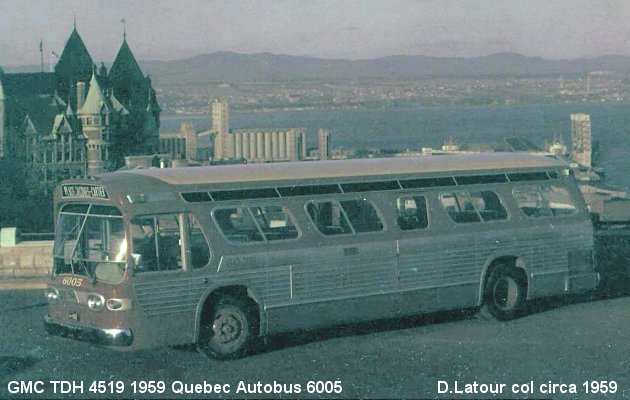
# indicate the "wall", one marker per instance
pixel 26 260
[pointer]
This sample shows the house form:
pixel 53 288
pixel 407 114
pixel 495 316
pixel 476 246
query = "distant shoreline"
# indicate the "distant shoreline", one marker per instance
pixel 236 109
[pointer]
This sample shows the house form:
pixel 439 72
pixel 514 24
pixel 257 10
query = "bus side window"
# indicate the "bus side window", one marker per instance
pixel 488 205
pixel 459 207
pixel 199 250
pixel 143 240
pixel 156 243
pixel 412 212
pixel 275 222
pixel 169 242
pixel 362 215
pixel 328 217
pixel 559 200
pixel 531 202
pixel 237 224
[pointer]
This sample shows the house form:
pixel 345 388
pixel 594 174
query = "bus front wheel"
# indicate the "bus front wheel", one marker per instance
pixel 505 293
pixel 229 331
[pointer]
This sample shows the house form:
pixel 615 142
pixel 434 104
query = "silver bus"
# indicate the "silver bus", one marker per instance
pixel 222 255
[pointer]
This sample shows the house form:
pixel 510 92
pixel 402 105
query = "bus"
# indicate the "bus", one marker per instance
pixel 221 256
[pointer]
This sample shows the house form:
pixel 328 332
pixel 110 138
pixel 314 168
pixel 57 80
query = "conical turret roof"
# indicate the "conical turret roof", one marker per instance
pixel 94 100
pixel 125 67
pixel 75 62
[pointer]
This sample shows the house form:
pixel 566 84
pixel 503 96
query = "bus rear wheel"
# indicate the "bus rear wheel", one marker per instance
pixel 505 293
pixel 230 329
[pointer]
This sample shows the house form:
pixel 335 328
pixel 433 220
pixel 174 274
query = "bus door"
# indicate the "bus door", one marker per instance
pixel 161 281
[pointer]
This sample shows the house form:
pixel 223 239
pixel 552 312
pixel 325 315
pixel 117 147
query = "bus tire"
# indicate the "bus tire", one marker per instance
pixel 505 294
pixel 230 330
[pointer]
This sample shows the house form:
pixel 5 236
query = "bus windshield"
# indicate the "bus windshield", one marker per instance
pixel 90 241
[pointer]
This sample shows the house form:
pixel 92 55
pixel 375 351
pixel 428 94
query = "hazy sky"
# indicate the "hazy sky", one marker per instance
pixel 158 29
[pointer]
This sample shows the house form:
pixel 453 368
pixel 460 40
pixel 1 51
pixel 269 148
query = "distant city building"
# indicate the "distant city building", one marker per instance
pixel 220 116
pixel 255 144
pixel 78 120
pixel 581 147
pixel 179 145
pixel 187 144
pixel 323 141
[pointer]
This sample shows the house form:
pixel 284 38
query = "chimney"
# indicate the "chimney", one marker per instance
pixel 80 95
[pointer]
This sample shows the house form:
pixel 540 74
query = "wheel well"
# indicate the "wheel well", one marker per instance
pixel 513 261
pixel 238 292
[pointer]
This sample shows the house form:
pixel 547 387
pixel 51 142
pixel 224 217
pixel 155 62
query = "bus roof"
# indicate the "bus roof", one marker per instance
pixel 372 167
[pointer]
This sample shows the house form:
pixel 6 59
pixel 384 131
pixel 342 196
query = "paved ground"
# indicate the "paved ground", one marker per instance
pixel 565 341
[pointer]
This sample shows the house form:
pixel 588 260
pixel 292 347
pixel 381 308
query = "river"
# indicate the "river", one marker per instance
pixel 414 128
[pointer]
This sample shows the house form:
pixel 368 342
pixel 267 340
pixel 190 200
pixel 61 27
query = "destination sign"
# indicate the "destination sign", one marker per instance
pixel 89 191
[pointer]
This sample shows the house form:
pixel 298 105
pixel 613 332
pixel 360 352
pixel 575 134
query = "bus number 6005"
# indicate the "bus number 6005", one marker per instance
pixel 72 281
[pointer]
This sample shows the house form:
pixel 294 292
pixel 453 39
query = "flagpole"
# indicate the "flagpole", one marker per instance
pixel 41 53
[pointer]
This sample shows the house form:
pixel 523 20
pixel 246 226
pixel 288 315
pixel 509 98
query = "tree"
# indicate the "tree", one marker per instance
pixel 30 213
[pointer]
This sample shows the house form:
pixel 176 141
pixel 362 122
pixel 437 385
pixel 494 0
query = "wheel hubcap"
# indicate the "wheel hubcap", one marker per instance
pixel 505 293
pixel 227 328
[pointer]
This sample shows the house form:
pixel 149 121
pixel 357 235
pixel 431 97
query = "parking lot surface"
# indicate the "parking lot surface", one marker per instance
pixel 577 344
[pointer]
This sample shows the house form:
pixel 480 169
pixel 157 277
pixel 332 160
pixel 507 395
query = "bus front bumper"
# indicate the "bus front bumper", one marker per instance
pixel 107 337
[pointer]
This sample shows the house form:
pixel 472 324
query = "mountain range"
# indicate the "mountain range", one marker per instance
pixel 266 67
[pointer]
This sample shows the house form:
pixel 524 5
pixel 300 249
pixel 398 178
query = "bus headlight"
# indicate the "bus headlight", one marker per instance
pixel 52 294
pixel 95 302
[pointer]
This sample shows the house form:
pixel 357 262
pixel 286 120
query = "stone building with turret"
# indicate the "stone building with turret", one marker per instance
pixel 79 120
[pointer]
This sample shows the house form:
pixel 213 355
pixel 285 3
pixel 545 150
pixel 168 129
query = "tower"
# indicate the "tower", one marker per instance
pixel 220 116
pixel 95 120
pixel 581 147
pixel 138 133
pixel 323 140
pixel 223 142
